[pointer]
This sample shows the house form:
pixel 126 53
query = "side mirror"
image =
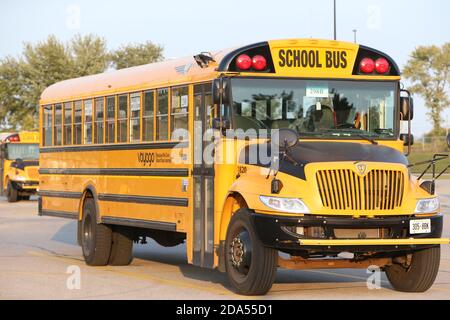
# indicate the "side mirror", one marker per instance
pixel 221 91
pixel 285 139
pixel 407 108
pixel 408 140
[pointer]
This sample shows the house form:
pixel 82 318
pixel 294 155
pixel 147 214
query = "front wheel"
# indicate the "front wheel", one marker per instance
pixel 12 194
pixel 250 266
pixel 417 272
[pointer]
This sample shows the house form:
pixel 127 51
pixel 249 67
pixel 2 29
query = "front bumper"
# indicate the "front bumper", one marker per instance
pixel 30 186
pixel 276 232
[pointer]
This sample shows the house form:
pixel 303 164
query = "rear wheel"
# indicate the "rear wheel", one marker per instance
pixel 95 238
pixel 417 272
pixel 26 198
pixel 12 194
pixel 251 267
pixel 121 248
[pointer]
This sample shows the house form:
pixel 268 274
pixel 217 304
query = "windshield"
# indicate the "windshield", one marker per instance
pixel 24 151
pixel 316 108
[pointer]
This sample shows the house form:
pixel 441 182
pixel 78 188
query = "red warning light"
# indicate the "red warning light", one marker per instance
pixel 382 66
pixel 243 62
pixel 259 63
pixel 367 65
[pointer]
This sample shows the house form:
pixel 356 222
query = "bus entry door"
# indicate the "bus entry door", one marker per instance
pixel 203 179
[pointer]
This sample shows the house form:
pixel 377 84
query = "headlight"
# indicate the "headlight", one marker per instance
pixel 427 205
pixel 285 204
pixel 19 178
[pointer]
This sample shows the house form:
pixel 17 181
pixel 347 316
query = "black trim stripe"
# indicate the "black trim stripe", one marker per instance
pixel 165 201
pixel 115 147
pixel 152 172
pixel 60 194
pixel 59 214
pixel 146 224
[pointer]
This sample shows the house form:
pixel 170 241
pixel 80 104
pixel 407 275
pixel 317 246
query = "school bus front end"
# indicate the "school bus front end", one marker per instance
pixel 20 165
pixel 338 194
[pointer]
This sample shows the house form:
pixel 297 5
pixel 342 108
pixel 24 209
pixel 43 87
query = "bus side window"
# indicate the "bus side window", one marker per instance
pixel 68 123
pixel 57 131
pixel 98 121
pixel 48 126
pixel 77 122
pixel 122 118
pixel 162 123
pixel 110 119
pixel 148 115
pixel 135 117
pixel 179 113
pixel 88 121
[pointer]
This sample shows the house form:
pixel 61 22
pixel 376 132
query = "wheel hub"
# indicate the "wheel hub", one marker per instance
pixel 87 235
pixel 241 252
pixel 237 252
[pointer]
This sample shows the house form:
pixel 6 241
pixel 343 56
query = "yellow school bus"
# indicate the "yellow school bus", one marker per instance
pixel 19 164
pixel 284 153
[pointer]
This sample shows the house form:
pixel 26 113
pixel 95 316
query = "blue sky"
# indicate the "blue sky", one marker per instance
pixel 187 27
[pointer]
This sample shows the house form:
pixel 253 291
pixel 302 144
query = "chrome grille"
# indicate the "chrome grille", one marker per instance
pixel 344 189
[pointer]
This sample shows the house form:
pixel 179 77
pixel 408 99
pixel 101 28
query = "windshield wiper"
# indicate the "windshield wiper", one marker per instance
pixel 352 133
pixel 371 140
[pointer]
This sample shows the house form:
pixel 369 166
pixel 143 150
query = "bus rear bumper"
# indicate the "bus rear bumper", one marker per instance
pixel 330 234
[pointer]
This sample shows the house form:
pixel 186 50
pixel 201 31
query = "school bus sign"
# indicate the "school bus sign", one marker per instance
pixel 309 58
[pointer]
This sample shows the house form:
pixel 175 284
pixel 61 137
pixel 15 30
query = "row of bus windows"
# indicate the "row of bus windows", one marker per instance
pixel 134 117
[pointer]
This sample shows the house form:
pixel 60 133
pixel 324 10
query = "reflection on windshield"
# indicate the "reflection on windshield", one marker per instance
pixel 325 108
pixel 22 151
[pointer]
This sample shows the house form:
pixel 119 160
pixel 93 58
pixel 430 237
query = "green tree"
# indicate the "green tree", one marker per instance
pixel 42 65
pixel 89 55
pixel 136 54
pixel 428 69
pixel 23 80
pixel 11 105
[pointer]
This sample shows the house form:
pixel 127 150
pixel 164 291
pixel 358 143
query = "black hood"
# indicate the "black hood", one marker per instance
pixel 22 164
pixel 312 152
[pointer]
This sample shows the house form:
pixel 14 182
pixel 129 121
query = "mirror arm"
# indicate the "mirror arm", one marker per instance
pixel 409 134
pixel 409 125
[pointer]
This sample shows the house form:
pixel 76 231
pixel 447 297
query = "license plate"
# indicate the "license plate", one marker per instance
pixel 420 226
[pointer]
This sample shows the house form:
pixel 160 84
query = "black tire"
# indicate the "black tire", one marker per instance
pixel 420 275
pixel 96 238
pixel 12 194
pixel 251 267
pixel 121 248
pixel 26 198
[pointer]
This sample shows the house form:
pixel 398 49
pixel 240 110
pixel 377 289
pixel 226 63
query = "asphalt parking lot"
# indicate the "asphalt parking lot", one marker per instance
pixel 39 258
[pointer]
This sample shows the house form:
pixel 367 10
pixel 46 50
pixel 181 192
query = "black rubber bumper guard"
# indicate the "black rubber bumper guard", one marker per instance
pixel 274 231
